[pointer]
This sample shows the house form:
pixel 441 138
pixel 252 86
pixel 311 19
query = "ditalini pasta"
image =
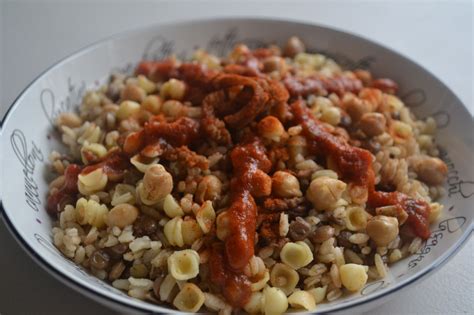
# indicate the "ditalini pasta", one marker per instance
pixel 91 212
pixel 302 299
pixel 353 277
pixel 173 231
pixel 356 218
pixel 296 255
pixel 142 164
pixel 123 193
pixel 171 207
pixel 206 216
pixel 184 264
pixel 92 182
pixel 189 299
pixel 284 277
pixel 274 301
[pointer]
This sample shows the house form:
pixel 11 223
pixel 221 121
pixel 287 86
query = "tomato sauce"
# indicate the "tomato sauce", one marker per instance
pixel 68 189
pixel 183 131
pixel 235 285
pixel 418 210
pixel 227 264
pixel 321 85
pixel 355 165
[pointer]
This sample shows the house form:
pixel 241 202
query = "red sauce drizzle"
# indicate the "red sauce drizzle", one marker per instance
pixel 235 286
pixel 321 85
pixel 418 210
pixel 69 188
pixel 182 131
pixel 227 263
pixel 355 164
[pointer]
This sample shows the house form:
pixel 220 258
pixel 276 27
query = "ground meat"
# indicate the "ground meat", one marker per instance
pixel 282 204
pixel 186 158
pixel 212 126
pixel 268 228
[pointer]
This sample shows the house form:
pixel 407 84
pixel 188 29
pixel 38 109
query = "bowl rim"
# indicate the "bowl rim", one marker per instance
pixel 70 281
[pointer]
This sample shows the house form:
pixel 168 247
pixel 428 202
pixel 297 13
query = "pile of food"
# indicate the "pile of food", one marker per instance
pixel 266 180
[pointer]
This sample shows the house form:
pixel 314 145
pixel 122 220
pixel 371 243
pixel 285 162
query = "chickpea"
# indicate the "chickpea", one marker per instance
pixel 363 75
pixel 285 185
pixel 431 170
pixel 353 277
pixel 271 128
pixel 323 192
pixel 374 97
pixel 147 85
pixel 372 124
pixel 157 184
pixel 209 188
pixel 355 107
pixel 127 109
pixel 133 92
pixel 239 52
pixel 293 47
pixel 173 89
pixel 172 108
pixel 274 63
pixel 122 215
pixel 382 229
pixel 322 233
pixel 152 103
pixel 331 115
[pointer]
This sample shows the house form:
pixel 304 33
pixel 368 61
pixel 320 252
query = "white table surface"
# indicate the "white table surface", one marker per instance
pixel 35 34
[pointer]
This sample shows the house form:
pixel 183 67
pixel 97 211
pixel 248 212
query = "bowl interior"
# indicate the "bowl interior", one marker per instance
pixel 28 136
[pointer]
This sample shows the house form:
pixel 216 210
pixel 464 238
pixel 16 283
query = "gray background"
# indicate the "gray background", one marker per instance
pixel 35 34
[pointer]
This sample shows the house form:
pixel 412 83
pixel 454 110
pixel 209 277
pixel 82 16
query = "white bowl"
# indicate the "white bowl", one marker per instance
pixel 27 137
